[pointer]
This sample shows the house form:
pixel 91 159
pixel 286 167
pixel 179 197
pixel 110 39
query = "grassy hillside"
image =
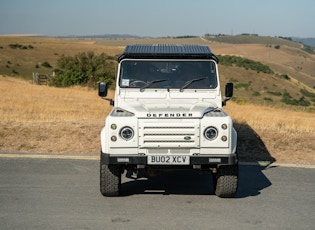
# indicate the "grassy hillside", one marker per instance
pixel 21 56
pixel 294 68
pixel 45 119
pixel 252 39
pixel 283 56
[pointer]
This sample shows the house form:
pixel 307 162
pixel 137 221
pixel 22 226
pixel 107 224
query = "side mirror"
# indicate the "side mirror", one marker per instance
pixel 228 92
pixel 102 92
pixel 102 89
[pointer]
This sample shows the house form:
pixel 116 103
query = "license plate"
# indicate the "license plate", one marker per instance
pixel 168 160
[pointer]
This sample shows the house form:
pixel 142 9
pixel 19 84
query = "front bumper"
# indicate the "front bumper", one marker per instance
pixel 230 159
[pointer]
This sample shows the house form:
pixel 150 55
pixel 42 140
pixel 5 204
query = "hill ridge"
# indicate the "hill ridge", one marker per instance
pixel 286 59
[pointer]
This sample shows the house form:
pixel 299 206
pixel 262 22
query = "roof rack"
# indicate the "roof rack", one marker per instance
pixel 167 51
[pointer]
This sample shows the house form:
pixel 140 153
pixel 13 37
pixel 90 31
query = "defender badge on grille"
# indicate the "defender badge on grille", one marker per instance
pixel 187 138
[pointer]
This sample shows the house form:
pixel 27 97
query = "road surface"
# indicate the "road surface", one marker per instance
pixel 64 194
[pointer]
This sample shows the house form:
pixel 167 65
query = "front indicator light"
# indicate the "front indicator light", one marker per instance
pixel 224 138
pixel 113 138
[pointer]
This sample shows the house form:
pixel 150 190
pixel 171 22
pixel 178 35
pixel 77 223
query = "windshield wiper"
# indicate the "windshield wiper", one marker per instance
pixel 148 85
pixel 188 83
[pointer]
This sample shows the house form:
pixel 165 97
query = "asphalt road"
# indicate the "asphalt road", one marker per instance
pixel 64 194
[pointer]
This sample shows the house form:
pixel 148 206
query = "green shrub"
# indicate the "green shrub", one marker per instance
pixel 303 102
pixel 256 94
pixel 46 64
pixel 84 69
pixel 308 49
pixel 14 46
pixel 307 93
pixel 228 60
pixel 287 99
pixel 284 76
pixel 19 46
pixel 274 93
pixel 15 72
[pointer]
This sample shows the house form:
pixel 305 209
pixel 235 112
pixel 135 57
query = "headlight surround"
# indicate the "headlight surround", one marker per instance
pixel 126 133
pixel 211 133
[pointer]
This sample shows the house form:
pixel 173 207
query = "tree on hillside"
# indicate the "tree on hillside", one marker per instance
pixel 84 69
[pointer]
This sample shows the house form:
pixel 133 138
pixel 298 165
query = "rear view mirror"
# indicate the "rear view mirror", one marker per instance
pixel 102 92
pixel 102 89
pixel 228 92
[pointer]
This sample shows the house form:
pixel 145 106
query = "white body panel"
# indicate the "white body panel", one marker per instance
pixel 168 122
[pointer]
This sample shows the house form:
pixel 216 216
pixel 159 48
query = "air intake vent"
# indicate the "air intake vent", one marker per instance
pixel 169 134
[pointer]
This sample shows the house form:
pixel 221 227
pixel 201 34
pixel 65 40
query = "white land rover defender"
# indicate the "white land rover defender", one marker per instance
pixel 167 114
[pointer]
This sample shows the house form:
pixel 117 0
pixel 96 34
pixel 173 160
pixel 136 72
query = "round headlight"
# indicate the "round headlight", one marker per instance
pixel 211 133
pixel 126 133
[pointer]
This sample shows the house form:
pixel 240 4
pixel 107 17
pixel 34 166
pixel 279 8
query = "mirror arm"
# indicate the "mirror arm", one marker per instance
pixel 111 101
pixel 225 100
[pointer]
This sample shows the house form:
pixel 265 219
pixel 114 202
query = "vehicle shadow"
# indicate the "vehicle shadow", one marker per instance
pixel 185 182
pixel 251 151
pixel 189 182
pixel 250 146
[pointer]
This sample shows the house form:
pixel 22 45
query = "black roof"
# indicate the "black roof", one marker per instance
pixel 167 51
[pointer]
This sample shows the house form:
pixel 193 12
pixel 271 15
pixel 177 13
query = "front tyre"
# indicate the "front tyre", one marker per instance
pixel 110 179
pixel 226 181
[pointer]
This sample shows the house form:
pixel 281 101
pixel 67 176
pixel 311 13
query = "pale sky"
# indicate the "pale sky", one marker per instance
pixel 156 18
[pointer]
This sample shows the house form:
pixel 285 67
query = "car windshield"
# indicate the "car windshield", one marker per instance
pixel 169 74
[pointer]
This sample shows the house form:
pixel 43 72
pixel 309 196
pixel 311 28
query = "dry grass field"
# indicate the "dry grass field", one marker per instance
pixel 272 134
pixel 44 119
pixel 52 120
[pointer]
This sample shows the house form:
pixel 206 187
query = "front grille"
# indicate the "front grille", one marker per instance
pixel 167 133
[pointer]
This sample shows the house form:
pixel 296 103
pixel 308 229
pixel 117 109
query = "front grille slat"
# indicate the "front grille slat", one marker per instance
pixel 164 135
